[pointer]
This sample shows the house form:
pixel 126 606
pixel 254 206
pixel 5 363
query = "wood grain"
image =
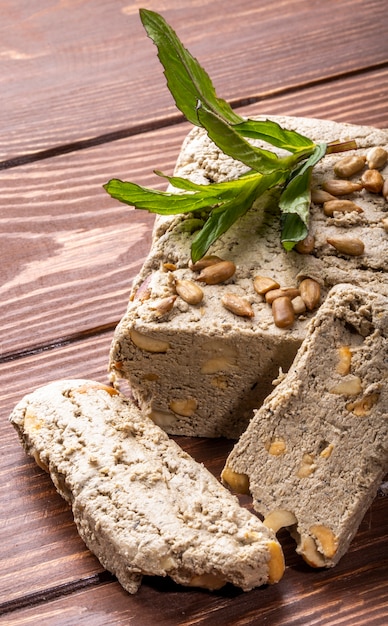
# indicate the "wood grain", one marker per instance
pixel 71 72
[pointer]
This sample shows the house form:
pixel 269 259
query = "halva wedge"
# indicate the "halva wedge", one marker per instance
pixel 140 503
pixel 200 345
pixel 315 453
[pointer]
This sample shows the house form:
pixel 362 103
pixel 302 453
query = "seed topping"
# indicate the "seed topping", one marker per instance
pixel 351 246
pixel 237 305
pixel 372 181
pixel 189 291
pixel 217 273
pixel 339 187
pixel 349 165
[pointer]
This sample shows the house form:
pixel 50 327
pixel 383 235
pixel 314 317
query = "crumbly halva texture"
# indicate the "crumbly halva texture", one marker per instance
pixel 200 369
pixel 140 503
pixel 314 455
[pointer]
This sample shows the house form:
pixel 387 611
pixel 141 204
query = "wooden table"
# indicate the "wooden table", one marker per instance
pixel 83 100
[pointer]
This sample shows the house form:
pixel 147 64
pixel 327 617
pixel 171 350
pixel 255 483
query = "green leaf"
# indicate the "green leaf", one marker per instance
pixel 161 202
pixel 180 183
pixel 223 217
pixel 231 143
pixel 273 133
pixel 198 196
pixel 224 203
pixel 187 81
pixel 296 199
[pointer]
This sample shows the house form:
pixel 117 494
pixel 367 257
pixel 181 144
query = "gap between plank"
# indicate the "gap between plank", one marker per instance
pixel 173 120
pixel 58 343
pixel 46 595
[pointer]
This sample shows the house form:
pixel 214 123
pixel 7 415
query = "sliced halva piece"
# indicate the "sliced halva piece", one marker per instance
pixel 140 503
pixel 200 369
pixel 314 454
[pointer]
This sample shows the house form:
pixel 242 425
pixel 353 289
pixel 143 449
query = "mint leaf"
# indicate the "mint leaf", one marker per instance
pixel 223 217
pixel 296 199
pixel 231 143
pixel 195 96
pixel 162 202
pixel 273 133
pixel 187 81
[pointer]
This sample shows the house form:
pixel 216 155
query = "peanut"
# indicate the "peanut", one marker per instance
pixel 218 364
pixel 237 482
pixel 326 452
pixel 189 291
pixel 307 466
pixel 345 357
pixel 283 312
pixel 376 158
pixel 31 421
pixel 351 386
pixel 326 539
pixel 237 305
pixel 363 407
pixel 147 343
pixel 306 246
pixel 290 292
pixel 163 305
pixel 206 261
pixel 349 165
pixel 144 291
pixel 384 222
pixel 185 407
pixel 279 518
pixel 320 196
pixel 298 305
pixel 351 246
pixel 372 181
pixel 162 418
pixel 91 386
pixel 310 554
pixel 207 581
pixel 310 292
pixel 276 446
pixel 217 273
pixel 276 565
pixel 342 206
pixel 262 284
pixel 168 267
pixel 341 187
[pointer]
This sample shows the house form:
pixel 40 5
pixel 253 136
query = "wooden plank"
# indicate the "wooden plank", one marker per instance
pixel 42 557
pixel 70 73
pixel 69 252
pixel 39 548
pixel 360 99
pixel 302 597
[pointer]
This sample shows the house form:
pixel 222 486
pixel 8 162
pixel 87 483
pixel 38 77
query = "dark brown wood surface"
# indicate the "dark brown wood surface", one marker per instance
pixel 83 100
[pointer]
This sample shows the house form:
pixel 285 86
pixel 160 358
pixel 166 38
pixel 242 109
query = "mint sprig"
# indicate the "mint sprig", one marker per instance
pixel 295 200
pixel 224 203
pixel 187 81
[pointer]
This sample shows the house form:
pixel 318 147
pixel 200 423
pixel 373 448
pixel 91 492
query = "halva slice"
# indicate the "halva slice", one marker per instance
pixel 140 503
pixel 314 454
pixel 200 346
